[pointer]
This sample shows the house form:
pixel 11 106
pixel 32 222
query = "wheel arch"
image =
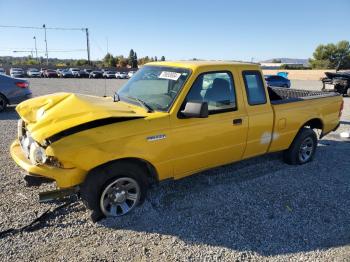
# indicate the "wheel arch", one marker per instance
pixel 151 171
pixel 7 100
pixel 314 123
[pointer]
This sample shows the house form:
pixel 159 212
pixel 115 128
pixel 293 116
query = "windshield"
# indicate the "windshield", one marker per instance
pixel 156 86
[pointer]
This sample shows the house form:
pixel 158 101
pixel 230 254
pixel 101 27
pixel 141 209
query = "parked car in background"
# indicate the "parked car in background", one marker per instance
pixel 340 81
pixel 109 74
pixel 131 73
pixel 88 71
pixel 16 72
pixel 66 73
pixel 13 91
pixel 277 81
pixel 59 72
pixel 50 73
pixel 121 75
pixel 2 71
pixel 95 74
pixel 33 72
pixel 75 71
pixel 83 74
pixel 42 71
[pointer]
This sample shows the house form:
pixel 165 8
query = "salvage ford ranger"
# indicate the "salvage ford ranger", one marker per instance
pixel 170 120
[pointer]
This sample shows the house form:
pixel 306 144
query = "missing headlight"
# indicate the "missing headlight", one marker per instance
pixel 37 154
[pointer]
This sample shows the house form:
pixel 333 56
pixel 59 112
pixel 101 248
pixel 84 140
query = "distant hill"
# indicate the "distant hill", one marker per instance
pixel 305 62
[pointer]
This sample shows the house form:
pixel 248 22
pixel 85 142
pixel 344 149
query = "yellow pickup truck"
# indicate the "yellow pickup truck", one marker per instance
pixel 170 120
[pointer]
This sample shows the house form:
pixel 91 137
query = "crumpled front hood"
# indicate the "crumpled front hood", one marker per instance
pixel 51 114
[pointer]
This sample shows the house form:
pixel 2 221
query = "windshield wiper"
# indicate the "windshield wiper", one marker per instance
pixel 142 103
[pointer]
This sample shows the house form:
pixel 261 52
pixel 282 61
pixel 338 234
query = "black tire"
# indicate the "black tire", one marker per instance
pixel 297 153
pixel 3 103
pixel 100 178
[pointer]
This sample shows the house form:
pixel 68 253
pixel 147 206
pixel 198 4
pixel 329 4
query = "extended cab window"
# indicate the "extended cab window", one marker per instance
pixel 217 89
pixel 254 87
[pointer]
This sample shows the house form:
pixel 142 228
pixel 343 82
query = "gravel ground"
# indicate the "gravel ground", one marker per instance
pixel 258 209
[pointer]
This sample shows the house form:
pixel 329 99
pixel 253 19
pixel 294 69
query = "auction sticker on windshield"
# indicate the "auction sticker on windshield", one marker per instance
pixel 169 75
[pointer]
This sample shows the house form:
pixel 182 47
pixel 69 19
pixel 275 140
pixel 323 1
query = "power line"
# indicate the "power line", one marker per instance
pixel 51 50
pixel 41 28
pixel 83 29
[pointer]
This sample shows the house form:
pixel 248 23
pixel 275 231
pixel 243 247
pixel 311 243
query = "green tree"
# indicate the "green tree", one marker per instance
pixel 132 59
pixel 135 63
pixel 156 58
pixel 123 62
pixel 109 61
pixel 162 58
pixel 332 56
pixel 81 62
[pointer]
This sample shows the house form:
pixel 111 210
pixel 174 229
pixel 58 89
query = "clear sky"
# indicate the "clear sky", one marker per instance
pixel 215 29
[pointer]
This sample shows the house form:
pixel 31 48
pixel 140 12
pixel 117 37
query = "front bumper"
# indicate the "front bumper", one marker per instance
pixel 64 178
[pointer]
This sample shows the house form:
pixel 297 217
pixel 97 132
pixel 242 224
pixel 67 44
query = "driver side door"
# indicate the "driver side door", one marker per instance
pixel 202 143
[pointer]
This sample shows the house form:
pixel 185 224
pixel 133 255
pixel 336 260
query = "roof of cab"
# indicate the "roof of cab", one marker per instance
pixel 201 63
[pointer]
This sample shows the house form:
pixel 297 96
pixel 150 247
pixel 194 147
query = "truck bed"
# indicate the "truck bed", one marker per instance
pixel 288 95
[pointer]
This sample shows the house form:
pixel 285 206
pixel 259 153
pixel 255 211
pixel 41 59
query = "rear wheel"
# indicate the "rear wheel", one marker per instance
pixel 114 190
pixel 303 148
pixel 3 103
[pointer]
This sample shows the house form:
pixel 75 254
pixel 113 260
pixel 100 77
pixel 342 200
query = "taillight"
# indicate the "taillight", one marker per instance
pixel 341 108
pixel 22 84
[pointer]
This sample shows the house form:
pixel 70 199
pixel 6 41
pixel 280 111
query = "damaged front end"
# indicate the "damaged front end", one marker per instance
pixel 32 157
pixel 46 121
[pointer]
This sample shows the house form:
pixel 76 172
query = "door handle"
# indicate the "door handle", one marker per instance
pixel 237 121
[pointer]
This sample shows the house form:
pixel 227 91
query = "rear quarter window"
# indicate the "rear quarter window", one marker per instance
pixel 254 87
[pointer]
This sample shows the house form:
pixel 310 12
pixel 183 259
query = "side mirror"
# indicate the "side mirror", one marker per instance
pixel 195 109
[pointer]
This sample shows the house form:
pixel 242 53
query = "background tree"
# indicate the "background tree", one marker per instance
pixel 81 62
pixel 162 58
pixel 132 59
pixel 109 61
pixel 156 58
pixel 123 62
pixel 135 63
pixel 332 56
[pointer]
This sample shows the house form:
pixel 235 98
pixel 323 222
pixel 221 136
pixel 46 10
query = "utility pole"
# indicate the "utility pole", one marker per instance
pixel 88 45
pixel 46 53
pixel 36 50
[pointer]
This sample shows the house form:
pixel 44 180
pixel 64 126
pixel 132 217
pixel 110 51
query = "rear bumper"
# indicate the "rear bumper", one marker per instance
pixel 64 178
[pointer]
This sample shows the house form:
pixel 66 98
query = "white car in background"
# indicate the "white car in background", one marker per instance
pixel 2 71
pixel 108 74
pixel 16 72
pixel 74 71
pixel 33 72
pixel 131 73
pixel 121 75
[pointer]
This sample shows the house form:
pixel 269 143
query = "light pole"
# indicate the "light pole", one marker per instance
pixel 87 45
pixel 46 53
pixel 36 50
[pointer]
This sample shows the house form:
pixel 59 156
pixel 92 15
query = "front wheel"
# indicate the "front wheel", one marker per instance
pixel 114 190
pixel 303 148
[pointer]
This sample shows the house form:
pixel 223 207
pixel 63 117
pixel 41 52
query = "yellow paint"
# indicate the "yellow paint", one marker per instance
pixel 190 145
